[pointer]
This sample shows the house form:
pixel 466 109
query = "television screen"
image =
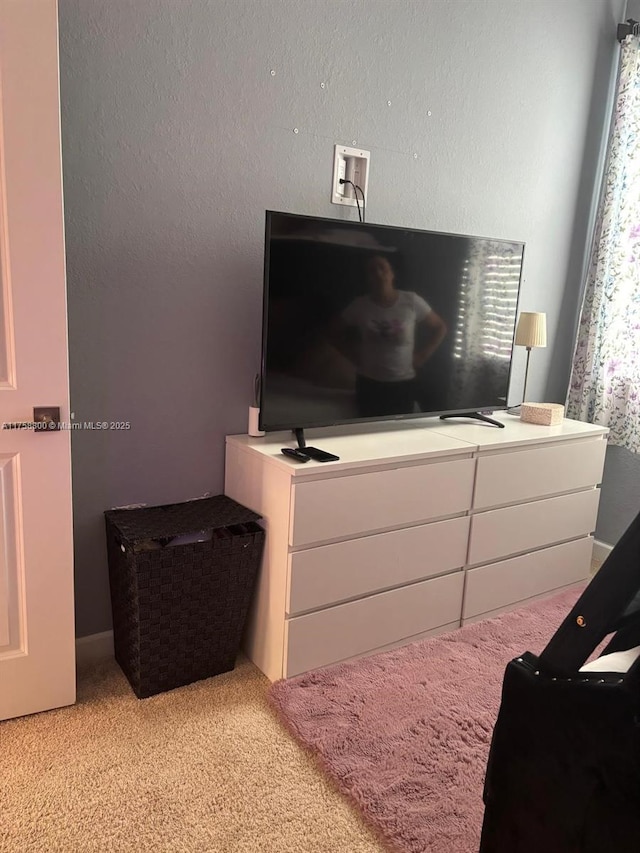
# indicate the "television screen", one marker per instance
pixel 370 322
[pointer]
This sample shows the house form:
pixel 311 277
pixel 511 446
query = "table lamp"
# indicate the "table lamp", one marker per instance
pixel 531 331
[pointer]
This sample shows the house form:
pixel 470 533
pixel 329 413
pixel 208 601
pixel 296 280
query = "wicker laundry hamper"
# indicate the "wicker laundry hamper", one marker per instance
pixel 181 579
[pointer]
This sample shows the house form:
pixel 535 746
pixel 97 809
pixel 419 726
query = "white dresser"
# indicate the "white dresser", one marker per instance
pixel 422 526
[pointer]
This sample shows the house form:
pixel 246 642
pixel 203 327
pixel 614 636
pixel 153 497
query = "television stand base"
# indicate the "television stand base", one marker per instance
pixel 313 452
pixel 477 416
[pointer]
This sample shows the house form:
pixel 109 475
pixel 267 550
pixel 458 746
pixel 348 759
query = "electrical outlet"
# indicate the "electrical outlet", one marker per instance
pixel 350 164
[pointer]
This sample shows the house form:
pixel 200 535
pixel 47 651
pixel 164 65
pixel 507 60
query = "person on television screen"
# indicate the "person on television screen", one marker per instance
pixel 389 334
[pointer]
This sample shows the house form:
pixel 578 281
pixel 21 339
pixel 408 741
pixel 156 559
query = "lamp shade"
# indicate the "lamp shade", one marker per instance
pixel 531 330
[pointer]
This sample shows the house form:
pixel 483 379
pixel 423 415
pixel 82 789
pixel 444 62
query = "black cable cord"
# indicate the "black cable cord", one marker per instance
pixel 355 190
pixel 356 187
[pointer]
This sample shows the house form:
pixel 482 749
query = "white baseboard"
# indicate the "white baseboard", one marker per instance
pixel 601 551
pixel 94 648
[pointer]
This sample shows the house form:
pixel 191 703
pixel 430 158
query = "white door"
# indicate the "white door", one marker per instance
pixel 37 653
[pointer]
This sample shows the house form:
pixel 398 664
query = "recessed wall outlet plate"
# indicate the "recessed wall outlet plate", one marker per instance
pixel 351 164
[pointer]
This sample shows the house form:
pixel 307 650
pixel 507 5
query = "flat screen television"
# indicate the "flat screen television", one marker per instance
pixel 371 322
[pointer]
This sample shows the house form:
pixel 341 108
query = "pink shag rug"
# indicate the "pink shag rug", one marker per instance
pixel 406 733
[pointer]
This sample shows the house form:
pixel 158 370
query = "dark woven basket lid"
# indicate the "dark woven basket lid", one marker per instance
pixel 158 522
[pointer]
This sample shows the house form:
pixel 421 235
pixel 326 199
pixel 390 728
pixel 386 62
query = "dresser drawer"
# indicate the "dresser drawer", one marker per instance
pixel 332 573
pixel 500 532
pixel 510 581
pixel 522 475
pixel 347 630
pixel 346 506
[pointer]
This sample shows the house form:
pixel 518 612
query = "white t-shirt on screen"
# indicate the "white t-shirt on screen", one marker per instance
pixel 387 335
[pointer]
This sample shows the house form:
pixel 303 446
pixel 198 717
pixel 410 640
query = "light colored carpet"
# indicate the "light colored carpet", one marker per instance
pixel 202 769
pixel 406 733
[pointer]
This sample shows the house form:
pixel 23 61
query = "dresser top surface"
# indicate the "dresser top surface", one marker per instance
pixel 379 445
pixel 517 432
pixel 360 445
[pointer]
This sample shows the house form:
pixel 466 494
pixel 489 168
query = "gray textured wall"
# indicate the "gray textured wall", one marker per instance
pixel 176 138
pixel 620 497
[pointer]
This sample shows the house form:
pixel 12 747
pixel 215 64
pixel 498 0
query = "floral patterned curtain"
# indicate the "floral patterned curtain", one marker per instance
pixel 605 382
